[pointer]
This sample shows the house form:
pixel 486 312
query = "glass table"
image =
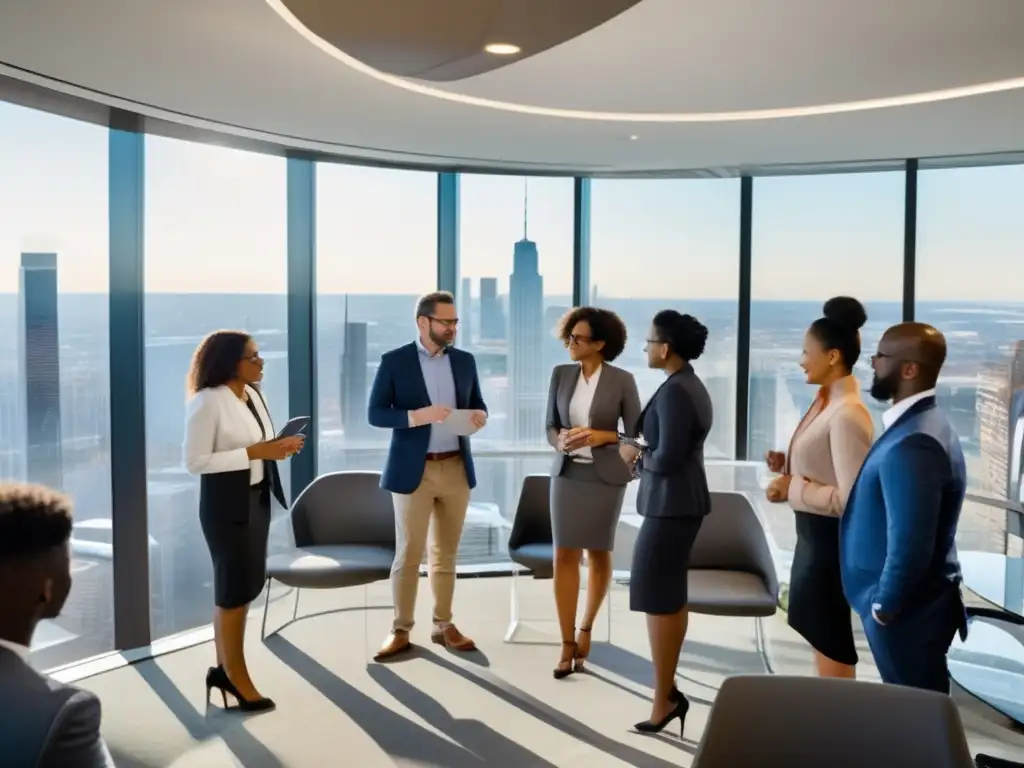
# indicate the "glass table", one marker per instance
pixel 990 663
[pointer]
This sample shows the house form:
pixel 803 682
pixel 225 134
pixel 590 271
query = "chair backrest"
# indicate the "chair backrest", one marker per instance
pixel 344 508
pixel 532 523
pixel 732 538
pixel 798 721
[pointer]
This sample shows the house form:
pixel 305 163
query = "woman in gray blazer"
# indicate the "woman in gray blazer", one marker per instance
pixel 587 400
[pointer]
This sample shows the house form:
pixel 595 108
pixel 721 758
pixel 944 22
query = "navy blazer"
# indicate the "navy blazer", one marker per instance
pixel 897 535
pixel 398 388
pixel 674 424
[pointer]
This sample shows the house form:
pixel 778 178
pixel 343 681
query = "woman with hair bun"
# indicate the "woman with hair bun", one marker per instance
pixel 673 499
pixel 825 455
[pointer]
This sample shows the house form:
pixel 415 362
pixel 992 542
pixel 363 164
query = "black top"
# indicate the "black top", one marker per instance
pixel 675 423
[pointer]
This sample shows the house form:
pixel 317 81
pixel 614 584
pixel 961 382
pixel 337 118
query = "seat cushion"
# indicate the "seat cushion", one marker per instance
pixel 729 593
pixel 536 557
pixel 331 567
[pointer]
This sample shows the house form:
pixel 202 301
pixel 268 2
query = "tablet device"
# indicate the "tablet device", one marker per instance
pixel 296 426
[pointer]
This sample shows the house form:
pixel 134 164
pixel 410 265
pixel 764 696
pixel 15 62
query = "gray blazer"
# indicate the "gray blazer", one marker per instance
pixel 675 423
pixel 46 724
pixel 615 399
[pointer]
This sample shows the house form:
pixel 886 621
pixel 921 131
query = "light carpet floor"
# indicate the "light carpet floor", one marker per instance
pixel 336 707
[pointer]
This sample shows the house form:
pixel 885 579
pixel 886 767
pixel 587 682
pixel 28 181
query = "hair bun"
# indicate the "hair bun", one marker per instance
pixel 846 312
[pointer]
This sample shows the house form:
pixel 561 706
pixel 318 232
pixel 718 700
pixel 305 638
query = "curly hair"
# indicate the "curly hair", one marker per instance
pixel 33 520
pixel 684 334
pixel 216 359
pixel 604 324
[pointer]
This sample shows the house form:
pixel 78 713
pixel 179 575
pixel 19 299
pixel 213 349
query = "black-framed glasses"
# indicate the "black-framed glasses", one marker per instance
pixel 575 338
pixel 253 358
pixel 655 341
pixel 445 321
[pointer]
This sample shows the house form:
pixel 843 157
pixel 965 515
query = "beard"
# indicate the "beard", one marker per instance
pixel 884 388
pixel 442 341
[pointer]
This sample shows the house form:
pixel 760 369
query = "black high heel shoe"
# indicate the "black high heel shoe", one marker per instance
pixel 682 706
pixel 559 672
pixel 217 678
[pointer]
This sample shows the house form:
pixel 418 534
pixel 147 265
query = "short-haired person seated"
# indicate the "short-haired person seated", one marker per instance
pixel 43 723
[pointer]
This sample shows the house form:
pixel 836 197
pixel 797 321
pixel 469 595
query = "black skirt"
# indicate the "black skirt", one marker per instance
pixel 817 606
pixel 661 563
pixel 238 548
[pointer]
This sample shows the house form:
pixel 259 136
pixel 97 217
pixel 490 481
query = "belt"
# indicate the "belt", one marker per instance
pixel 443 455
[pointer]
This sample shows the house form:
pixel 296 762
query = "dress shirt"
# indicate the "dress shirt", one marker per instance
pixel 22 651
pixel 219 428
pixel 890 416
pixel 437 375
pixel 579 410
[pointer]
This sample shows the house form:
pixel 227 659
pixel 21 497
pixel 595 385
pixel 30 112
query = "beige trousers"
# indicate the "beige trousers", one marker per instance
pixel 439 505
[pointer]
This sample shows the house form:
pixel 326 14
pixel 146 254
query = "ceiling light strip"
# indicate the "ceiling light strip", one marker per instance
pixel 928 97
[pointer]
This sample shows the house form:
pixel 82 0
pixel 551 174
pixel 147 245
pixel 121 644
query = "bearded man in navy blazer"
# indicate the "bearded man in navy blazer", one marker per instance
pixel 897 536
pixel 429 468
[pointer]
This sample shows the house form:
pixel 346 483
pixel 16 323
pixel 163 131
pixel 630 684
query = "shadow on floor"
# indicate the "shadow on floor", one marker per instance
pixel 637 669
pixel 228 726
pixel 475 736
pixel 510 694
pixel 397 736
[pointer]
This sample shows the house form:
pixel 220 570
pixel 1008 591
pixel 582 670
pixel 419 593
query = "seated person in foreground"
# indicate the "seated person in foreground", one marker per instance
pixel 43 723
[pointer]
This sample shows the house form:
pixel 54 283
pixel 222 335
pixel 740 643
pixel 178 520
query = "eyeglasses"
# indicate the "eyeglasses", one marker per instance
pixel 573 338
pixel 445 322
pixel 656 341
pixel 253 358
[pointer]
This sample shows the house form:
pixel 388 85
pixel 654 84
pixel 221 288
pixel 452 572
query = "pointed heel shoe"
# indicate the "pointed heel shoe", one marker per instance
pixel 682 706
pixel 566 665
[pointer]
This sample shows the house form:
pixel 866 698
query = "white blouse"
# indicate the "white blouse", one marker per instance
pixel 579 409
pixel 219 427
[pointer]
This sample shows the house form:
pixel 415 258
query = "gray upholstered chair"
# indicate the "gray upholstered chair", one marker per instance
pixel 530 543
pixel 344 528
pixel 732 572
pixel 798 721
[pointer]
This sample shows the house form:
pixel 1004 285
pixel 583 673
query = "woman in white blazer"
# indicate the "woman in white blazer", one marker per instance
pixel 229 443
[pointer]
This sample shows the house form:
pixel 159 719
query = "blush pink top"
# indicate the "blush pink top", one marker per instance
pixel 828 449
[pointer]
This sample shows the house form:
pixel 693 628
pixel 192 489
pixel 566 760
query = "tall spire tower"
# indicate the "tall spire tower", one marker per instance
pixel 527 388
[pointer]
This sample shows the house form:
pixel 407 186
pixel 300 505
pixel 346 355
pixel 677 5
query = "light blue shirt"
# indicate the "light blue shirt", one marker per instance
pixel 437 374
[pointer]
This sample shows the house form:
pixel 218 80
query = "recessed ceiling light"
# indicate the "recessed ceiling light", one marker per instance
pixel 502 49
pixel 634 137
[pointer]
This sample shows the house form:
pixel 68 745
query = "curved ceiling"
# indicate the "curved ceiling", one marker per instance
pixel 238 66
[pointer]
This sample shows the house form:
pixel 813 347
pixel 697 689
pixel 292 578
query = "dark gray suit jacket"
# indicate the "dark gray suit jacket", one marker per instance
pixel 675 423
pixel 616 398
pixel 44 723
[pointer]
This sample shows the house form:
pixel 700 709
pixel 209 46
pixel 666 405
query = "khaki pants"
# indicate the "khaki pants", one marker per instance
pixel 442 498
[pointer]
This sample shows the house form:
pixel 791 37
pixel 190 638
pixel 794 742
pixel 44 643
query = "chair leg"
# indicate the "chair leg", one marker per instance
pixel 295 610
pixel 762 646
pixel 366 623
pixel 266 607
pixel 513 622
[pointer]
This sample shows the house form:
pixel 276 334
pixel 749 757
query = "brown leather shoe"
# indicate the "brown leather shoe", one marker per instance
pixel 451 638
pixel 397 642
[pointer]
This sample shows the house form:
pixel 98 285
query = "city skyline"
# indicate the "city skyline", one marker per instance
pixel 216 222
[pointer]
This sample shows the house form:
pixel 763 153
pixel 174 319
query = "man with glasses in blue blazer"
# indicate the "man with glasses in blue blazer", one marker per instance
pixel 897 536
pixel 429 468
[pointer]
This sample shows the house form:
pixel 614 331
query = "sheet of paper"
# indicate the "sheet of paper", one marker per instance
pixel 460 423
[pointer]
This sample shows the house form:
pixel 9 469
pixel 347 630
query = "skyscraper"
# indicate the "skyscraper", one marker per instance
pixel 39 360
pixel 527 376
pixel 353 379
pixel 492 318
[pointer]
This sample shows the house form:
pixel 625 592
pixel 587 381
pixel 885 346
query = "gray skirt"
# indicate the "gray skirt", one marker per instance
pixel 584 509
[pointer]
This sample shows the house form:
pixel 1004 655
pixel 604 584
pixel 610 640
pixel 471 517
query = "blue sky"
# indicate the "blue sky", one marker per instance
pixel 215 222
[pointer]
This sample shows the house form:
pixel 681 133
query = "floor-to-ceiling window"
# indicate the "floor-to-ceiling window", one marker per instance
pixel 54 362
pixel 215 258
pixel 816 237
pixel 515 282
pixel 376 253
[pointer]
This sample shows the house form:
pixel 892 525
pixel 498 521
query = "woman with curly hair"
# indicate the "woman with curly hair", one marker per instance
pixel 587 400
